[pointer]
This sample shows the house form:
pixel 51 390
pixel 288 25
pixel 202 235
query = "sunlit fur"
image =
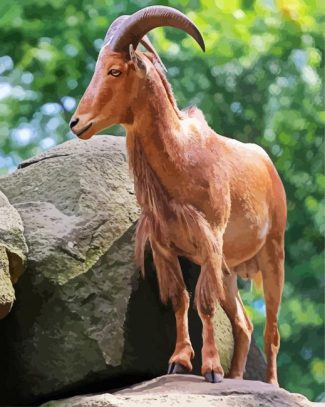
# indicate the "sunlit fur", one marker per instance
pixel 212 199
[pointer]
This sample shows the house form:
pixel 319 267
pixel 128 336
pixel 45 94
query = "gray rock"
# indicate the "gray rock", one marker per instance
pixel 7 292
pixel 84 320
pixel 13 251
pixel 191 391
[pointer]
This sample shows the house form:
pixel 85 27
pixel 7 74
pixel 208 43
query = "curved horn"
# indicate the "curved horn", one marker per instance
pixel 138 24
pixel 145 41
pixel 114 27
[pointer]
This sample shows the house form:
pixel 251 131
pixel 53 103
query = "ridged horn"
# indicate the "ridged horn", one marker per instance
pixel 114 27
pixel 145 41
pixel 140 23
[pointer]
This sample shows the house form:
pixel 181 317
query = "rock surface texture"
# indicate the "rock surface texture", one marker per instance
pixel 13 252
pixel 191 391
pixel 84 320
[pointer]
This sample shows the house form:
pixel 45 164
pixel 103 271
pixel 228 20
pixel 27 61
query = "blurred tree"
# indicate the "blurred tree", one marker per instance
pixel 259 81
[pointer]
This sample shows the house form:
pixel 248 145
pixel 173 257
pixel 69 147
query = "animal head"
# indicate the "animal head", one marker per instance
pixel 121 70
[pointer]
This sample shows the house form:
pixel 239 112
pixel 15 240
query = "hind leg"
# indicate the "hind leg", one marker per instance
pixel 271 262
pixel 241 326
pixel 172 286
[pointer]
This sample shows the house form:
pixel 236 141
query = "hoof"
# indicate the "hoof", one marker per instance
pixel 174 368
pixel 213 377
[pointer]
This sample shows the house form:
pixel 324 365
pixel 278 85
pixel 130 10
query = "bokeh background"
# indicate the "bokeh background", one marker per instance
pixel 259 81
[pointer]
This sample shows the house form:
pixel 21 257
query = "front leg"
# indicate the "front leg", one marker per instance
pixel 211 366
pixel 172 286
pixel 209 290
pixel 183 353
pixel 241 326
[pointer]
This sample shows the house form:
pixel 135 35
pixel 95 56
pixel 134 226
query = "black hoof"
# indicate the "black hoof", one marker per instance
pixel 174 368
pixel 213 377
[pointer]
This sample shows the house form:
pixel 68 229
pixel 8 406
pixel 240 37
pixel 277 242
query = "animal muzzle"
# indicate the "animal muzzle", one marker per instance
pixel 78 128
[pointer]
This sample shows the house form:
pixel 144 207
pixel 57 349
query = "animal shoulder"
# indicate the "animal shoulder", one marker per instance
pixel 194 124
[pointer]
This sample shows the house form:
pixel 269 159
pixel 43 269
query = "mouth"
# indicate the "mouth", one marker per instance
pixel 84 129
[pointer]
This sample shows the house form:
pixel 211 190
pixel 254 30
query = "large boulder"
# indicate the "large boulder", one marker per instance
pixel 13 252
pixel 191 391
pixel 84 320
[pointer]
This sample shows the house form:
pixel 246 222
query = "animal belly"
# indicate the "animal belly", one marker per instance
pixel 189 234
pixel 243 239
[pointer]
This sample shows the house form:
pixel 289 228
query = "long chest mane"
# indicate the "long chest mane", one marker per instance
pixel 161 215
pixel 151 195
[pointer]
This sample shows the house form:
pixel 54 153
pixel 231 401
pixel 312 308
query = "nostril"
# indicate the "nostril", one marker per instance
pixel 73 123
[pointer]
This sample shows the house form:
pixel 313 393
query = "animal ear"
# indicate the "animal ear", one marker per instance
pixel 149 46
pixel 139 64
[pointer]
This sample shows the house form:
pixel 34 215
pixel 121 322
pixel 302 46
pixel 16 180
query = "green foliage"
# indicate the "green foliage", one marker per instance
pixel 259 81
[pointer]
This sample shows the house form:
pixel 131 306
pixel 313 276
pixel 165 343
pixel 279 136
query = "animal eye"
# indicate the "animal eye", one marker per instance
pixel 114 72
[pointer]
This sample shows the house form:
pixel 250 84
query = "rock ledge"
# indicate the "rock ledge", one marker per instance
pixel 191 391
